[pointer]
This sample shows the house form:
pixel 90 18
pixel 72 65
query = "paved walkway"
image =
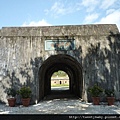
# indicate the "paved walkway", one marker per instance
pixel 60 101
pixel 62 106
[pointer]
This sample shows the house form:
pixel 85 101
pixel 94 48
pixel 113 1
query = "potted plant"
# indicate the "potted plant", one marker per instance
pixel 11 92
pixel 25 93
pixel 95 92
pixel 110 96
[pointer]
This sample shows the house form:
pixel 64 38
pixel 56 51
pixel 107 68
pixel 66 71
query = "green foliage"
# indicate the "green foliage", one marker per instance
pixel 109 92
pixel 95 91
pixel 25 92
pixel 11 92
pixel 59 74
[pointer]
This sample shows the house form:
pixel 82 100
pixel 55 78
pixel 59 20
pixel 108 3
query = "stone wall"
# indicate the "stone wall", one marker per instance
pixel 22 52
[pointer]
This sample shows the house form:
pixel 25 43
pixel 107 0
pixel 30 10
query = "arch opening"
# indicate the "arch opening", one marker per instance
pixel 59 80
pixel 64 63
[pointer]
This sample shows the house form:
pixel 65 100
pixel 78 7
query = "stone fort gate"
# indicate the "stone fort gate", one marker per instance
pixel 89 54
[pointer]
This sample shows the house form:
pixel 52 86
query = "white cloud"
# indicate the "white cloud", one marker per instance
pixel 60 8
pixel 112 18
pixel 90 18
pixel 90 4
pixel 110 11
pixel 38 23
pixel 107 3
pixel 57 9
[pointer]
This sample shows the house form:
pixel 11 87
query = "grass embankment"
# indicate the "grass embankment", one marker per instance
pixel 58 85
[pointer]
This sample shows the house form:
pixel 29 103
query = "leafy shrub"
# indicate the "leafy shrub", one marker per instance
pixel 25 92
pixel 109 92
pixel 11 92
pixel 95 91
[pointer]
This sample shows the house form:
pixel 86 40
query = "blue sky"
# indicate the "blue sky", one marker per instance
pixel 17 13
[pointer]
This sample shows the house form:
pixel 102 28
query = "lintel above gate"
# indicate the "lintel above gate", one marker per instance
pixel 60 44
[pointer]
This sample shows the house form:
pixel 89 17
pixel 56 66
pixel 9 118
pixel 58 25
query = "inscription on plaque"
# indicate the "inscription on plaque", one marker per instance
pixel 60 44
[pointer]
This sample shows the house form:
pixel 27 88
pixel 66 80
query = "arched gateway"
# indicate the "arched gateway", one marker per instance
pixel 65 63
pixel 89 54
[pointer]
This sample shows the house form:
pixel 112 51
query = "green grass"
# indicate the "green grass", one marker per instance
pixel 58 85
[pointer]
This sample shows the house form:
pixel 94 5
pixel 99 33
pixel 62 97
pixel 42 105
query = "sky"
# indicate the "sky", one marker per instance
pixel 20 13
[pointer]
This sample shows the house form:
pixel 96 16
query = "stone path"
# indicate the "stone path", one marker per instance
pixel 62 106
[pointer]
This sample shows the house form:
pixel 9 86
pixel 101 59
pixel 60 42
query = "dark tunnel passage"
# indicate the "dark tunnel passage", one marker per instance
pixel 67 64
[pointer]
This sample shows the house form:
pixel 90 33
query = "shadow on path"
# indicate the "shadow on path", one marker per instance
pixel 60 94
